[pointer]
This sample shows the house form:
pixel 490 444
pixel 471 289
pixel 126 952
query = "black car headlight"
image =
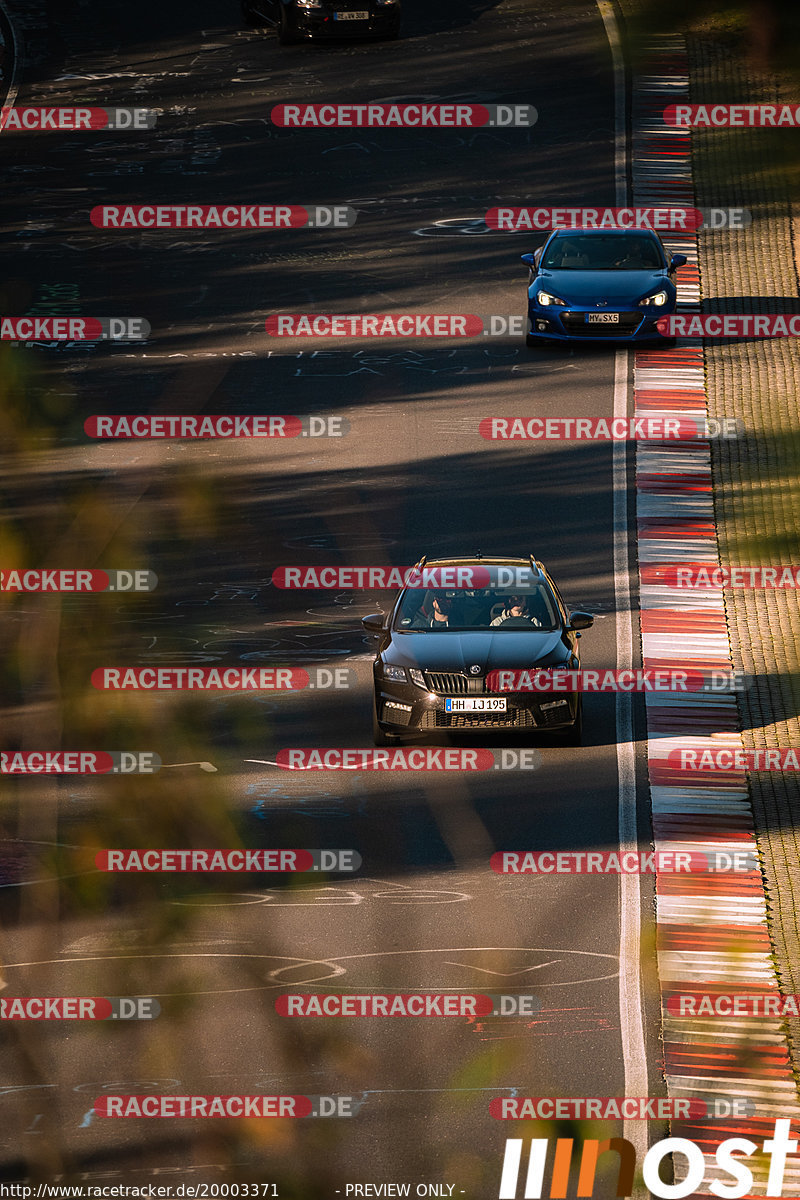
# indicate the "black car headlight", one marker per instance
pixel 394 674
pixel 308 3
pixel 417 677
pixel 659 299
pixel 547 298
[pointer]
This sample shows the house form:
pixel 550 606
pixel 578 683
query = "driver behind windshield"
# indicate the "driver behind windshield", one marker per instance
pixel 437 616
pixel 531 608
pixel 515 606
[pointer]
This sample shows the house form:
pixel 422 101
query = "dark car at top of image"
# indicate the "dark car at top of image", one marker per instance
pixel 302 20
pixel 591 284
pixel 437 646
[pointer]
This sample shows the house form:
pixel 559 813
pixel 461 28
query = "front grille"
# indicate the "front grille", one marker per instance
pixel 576 323
pixel 447 684
pixel 515 718
pixel 553 716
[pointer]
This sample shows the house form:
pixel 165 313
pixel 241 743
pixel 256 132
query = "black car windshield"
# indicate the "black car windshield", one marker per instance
pixel 594 252
pixel 439 610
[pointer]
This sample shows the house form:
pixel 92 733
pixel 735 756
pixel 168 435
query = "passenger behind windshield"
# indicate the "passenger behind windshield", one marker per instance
pixel 427 609
pixel 585 252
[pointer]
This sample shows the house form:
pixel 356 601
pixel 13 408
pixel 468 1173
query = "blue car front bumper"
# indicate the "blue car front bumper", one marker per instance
pixel 570 324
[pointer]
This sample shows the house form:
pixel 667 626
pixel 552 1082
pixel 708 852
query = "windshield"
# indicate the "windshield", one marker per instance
pixel 438 610
pixel 593 252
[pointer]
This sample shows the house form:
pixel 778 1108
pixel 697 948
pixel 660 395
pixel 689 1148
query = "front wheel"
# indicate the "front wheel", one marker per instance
pixel 379 738
pixel 574 735
pixel 537 343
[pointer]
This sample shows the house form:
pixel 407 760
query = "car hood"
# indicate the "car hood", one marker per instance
pixel 489 651
pixel 588 287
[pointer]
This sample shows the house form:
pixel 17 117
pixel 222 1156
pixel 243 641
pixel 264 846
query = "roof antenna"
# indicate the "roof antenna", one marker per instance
pixel 479 555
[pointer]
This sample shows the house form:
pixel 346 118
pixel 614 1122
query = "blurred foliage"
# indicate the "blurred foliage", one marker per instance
pixel 765 32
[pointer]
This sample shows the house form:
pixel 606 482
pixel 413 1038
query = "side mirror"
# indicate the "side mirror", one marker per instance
pixel 580 620
pixel 373 624
pixel 676 261
pixel 529 260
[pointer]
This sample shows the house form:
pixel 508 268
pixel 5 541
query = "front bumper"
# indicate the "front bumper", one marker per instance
pixel 322 23
pixel 405 708
pixel 569 324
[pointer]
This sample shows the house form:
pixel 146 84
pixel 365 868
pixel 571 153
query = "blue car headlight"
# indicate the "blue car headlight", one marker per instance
pixel 547 298
pixel 659 299
pixel 395 674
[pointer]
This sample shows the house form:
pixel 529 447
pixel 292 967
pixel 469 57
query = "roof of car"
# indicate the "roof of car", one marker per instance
pixel 475 560
pixel 592 231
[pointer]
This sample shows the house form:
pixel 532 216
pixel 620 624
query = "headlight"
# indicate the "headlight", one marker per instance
pixel 546 298
pixel 417 677
pixel 659 299
pixel 309 3
pixel 396 674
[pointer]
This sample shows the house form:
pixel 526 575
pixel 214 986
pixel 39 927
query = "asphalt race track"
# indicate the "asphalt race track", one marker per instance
pixel 409 475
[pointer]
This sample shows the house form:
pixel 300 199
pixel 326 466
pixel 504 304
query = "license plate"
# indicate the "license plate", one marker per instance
pixel 455 704
pixel 351 16
pixel 602 318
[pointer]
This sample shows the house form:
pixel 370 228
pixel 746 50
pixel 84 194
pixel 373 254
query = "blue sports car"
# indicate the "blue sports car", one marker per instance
pixel 587 284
